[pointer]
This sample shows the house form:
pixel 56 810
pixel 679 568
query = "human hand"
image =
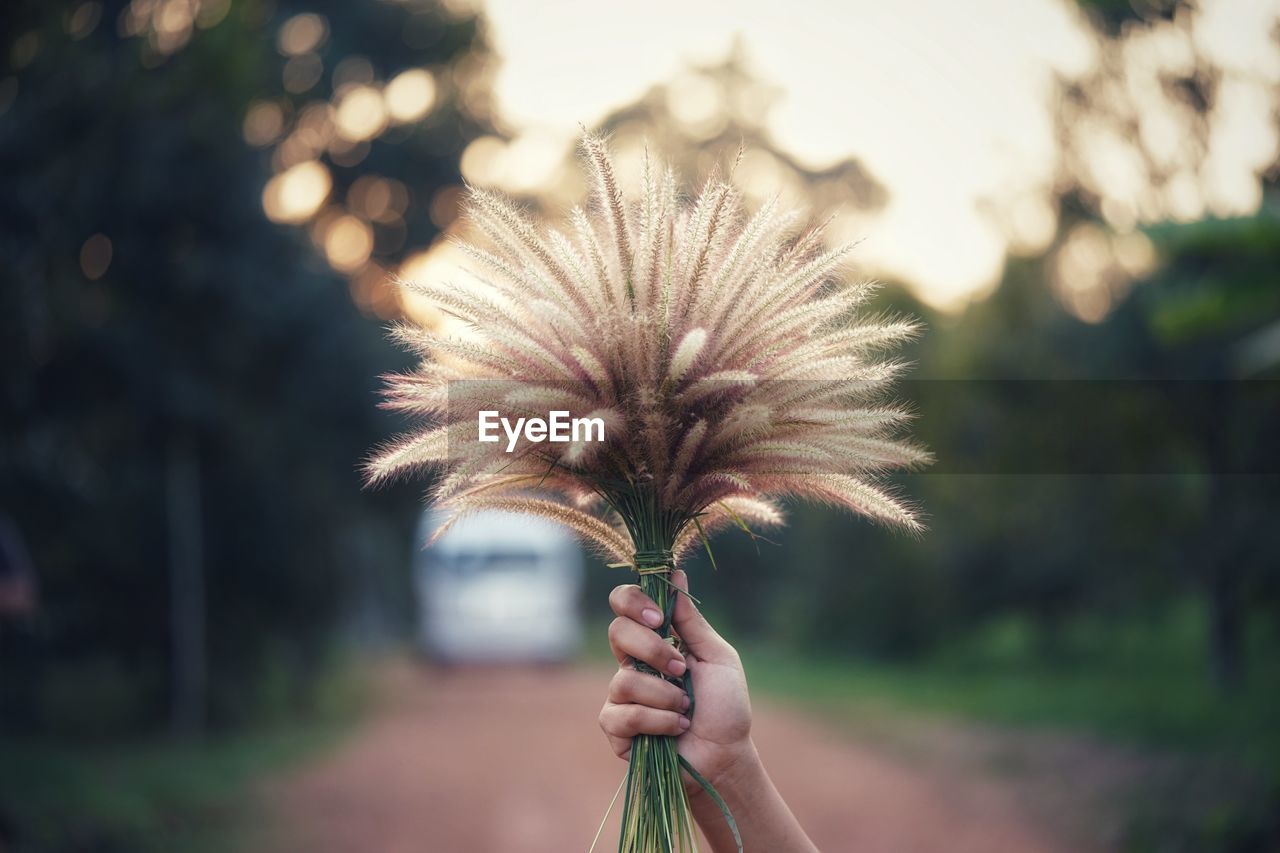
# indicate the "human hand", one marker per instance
pixel 716 740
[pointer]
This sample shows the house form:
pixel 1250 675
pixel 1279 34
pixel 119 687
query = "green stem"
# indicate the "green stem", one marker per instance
pixel 656 814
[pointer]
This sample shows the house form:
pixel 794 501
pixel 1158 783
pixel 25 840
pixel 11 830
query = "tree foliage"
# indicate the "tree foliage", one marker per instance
pixel 189 328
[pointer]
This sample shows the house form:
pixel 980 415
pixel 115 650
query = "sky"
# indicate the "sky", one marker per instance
pixel 947 104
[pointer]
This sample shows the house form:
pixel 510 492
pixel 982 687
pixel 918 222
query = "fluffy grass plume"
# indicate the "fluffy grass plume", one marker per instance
pixel 727 360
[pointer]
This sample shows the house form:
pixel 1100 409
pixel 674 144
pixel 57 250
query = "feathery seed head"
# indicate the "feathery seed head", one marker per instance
pixel 687 353
pixel 714 345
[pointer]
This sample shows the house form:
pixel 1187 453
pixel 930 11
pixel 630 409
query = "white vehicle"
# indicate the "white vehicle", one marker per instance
pixel 498 587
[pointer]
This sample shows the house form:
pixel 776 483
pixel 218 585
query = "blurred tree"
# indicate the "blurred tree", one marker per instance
pixel 703 118
pixel 1113 16
pixel 1044 507
pixel 372 105
pixel 1163 102
pixel 1213 311
pixel 187 388
pixel 716 116
pixel 1041 504
pixel 1163 127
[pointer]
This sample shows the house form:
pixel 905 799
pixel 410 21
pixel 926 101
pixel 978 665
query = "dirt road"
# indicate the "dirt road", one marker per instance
pixel 512 760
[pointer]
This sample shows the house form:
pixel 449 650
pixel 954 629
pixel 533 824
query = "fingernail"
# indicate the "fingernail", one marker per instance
pixel 684 722
pixel 652 617
pixel 676 667
pixel 684 702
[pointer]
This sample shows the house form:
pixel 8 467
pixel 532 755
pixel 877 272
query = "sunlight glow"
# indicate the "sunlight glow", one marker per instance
pixel 948 105
pixel 442 261
pixel 1094 269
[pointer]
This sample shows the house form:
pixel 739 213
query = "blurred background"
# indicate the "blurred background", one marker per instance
pixel 209 633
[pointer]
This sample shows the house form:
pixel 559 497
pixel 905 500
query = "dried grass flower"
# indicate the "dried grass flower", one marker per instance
pixel 720 348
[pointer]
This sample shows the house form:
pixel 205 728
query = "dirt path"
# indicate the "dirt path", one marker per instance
pixel 443 767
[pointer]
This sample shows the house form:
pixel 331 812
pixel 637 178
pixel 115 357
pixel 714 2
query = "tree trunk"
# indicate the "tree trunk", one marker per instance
pixel 188 666
pixel 1226 625
pixel 1225 582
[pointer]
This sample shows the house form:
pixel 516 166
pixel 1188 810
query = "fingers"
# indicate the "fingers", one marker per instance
pixel 632 636
pixel 638 703
pixel 623 722
pixel 631 687
pixel 696 631
pixel 630 601
pixel 630 639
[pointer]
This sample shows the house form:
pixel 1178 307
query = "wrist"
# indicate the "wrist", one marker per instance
pixel 733 774
pixel 762 816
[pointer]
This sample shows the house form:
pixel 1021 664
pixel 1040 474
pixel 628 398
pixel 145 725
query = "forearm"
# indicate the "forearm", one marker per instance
pixel 763 817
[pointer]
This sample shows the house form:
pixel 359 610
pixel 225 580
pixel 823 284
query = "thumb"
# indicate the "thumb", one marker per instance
pixel 697 633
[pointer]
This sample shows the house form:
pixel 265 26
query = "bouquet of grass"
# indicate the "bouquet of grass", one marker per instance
pixel 716 361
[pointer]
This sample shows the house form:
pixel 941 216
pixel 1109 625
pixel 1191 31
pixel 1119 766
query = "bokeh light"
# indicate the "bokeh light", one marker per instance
pixel 361 113
pixel 445 207
pixel 302 73
pixel 481 162
pixel 84 19
pixel 263 123
pixel 378 199
pixel 441 261
pixel 296 194
pixel 348 242
pixel 169 24
pixel 410 95
pixel 95 256
pixel 303 34
pixel 1094 269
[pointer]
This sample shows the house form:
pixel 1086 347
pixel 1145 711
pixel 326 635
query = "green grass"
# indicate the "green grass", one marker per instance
pixel 1151 708
pixel 1143 684
pixel 1215 785
pixel 145 795
pixel 157 793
